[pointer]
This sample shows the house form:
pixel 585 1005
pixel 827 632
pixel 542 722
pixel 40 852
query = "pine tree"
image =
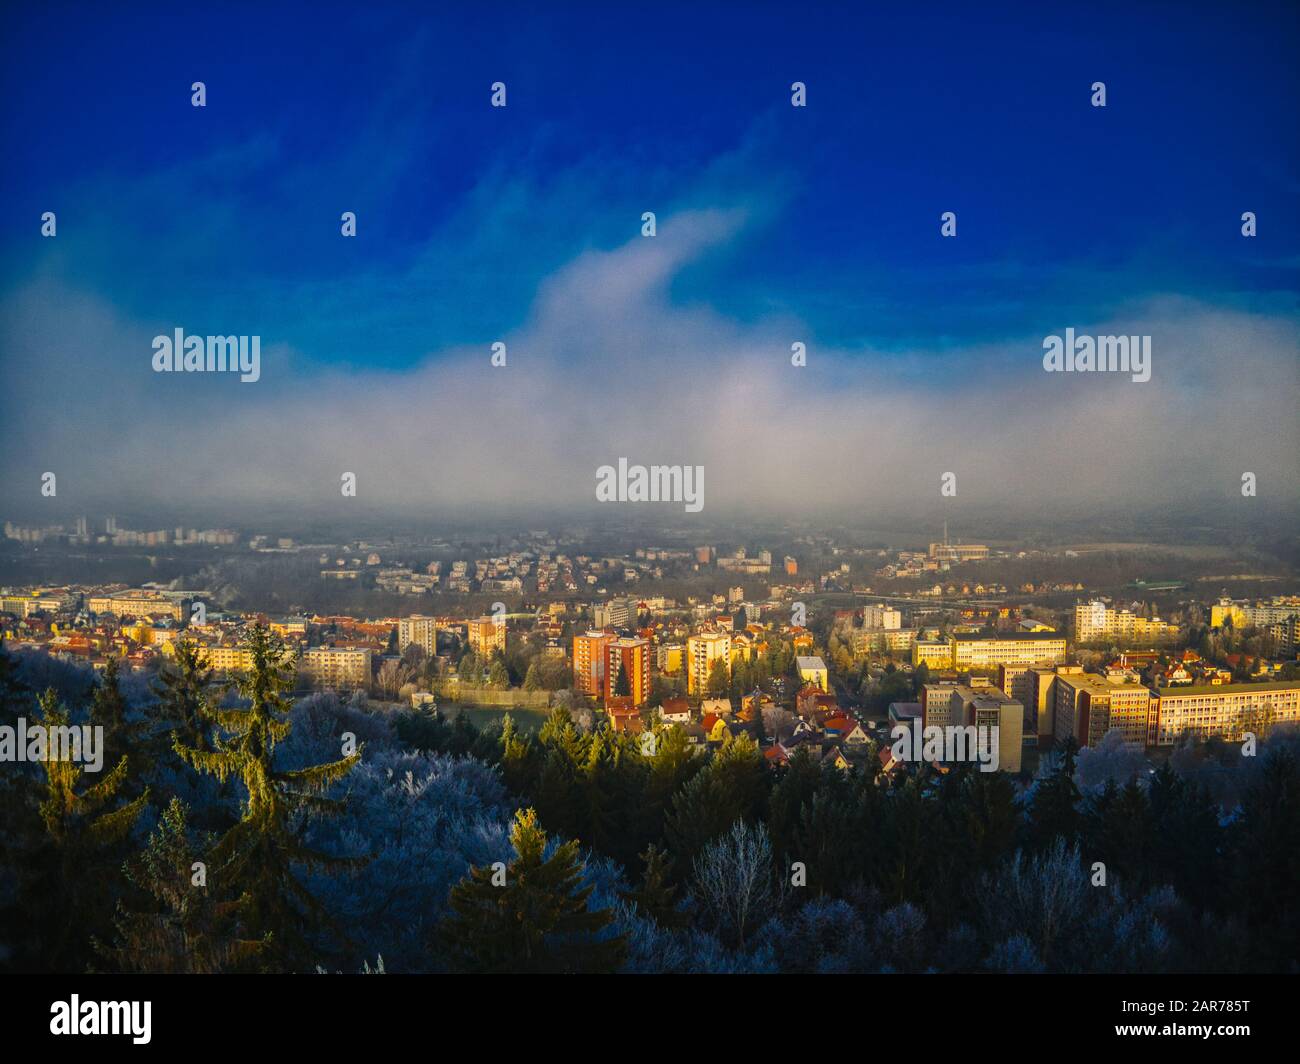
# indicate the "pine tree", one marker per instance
pixel 71 864
pixel 182 690
pixel 622 685
pixel 1054 808
pixel 656 897
pixel 108 710
pixel 255 859
pixel 518 766
pixel 533 678
pixel 537 920
pixel 181 928
pixel 719 679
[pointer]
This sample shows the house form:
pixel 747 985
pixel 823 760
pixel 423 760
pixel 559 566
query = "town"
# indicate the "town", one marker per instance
pixel 824 663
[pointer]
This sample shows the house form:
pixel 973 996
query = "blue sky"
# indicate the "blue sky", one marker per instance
pixel 226 218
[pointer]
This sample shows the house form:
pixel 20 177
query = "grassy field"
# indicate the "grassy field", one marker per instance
pixel 526 720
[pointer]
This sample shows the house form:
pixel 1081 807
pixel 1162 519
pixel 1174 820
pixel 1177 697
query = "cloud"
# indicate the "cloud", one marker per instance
pixel 611 362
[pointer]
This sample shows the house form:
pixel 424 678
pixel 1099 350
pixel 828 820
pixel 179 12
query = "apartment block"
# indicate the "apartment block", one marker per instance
pixel 984 706
pixel 420 631
pixel 701 652
pixel 589 662
pixel 973 650
pixel 1088 706
pixel 1225 711
pixel 1096 622
pixel 336 666
pixel 629 658
pixel 936 703
pixel 881 617
pixel 487 636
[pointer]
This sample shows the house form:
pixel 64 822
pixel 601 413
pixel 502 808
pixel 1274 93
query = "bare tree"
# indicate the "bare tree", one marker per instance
pixel 392 674
pixel 734 880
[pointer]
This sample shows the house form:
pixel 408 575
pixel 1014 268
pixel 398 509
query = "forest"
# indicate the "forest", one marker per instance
pixel 234 828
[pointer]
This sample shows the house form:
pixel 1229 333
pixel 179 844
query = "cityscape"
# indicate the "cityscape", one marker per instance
pixel 815 493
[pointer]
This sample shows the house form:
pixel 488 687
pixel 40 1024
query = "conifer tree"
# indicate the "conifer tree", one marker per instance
pixel 1053 811
pixel 533 678
pixel 108 710
pixel 518 767
pixel 622 685
pixel 71 864
pixel 656 896
pixel 719 680
pixel 182 690
pixel 536 920
pixel 180 928
pixel 255 859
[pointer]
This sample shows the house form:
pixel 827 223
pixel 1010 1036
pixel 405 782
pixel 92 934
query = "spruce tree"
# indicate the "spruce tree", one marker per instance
pixel 533 916
pixel 108 710
pixel 533 678
pixel 182 690
pixel 179 927
pixel 1054 808
pixel 71 865
pixel 255 860
pixel 622 685
pixel 656 897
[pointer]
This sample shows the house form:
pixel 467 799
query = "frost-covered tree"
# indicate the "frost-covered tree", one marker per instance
pixel 734 881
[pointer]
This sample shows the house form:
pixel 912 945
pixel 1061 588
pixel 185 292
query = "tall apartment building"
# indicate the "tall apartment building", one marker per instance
pixel 1088 706
pixel 589 662
pixel 1013 680
pixel 420 630
pixel 973 650
pixel 1040 699
pixel 1095 622
pixel 1225 711
pixel 936 705
pixel 336 666
pixel 631 659
pixel 486 636
pixel 671 658
pixel 701 652
pixel 984 706
pixel 881 617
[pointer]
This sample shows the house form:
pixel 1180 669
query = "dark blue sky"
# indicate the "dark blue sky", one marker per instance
pixel 1064 210
pixel 775 224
